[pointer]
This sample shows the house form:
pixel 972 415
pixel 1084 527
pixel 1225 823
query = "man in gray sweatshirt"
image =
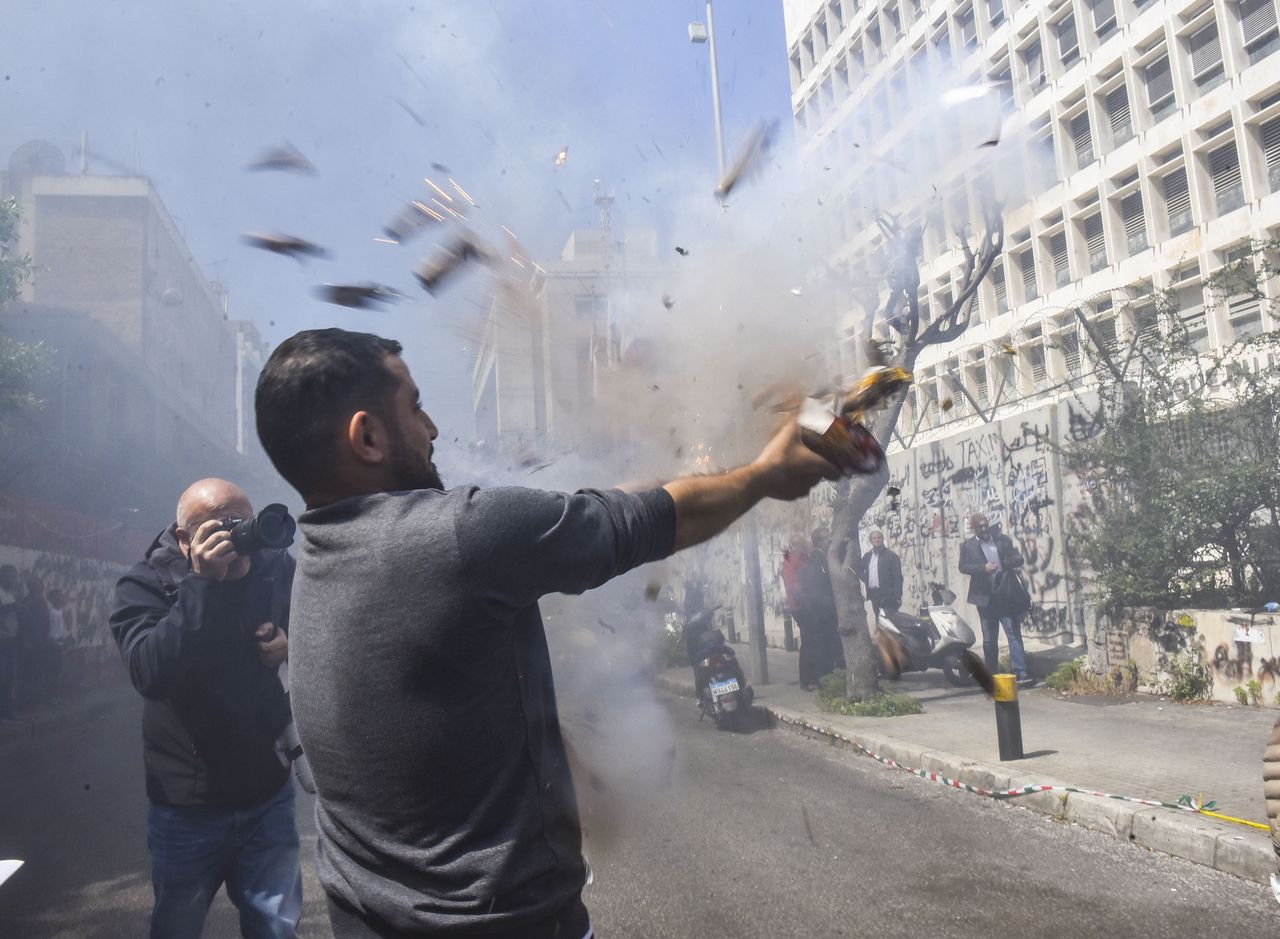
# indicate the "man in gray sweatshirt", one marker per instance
pixel 421 681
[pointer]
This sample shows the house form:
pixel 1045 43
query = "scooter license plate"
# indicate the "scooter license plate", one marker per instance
pixel 723 687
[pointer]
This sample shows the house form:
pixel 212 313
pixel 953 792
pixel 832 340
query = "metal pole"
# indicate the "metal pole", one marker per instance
pixel 754 602
pixel 715 91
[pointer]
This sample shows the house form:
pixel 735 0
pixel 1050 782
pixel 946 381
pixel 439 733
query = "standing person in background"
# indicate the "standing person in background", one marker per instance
pixel 793 560
pixel 982 557
pixel 8 639
pixel 882 573
pixel 57 639
pixel 821 651
pixel 33 642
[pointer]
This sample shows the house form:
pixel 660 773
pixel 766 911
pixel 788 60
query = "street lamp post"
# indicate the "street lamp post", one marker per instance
pixel 754 592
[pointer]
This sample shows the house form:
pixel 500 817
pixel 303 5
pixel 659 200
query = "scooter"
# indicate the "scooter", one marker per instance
pixel 723 692
pixel 934 640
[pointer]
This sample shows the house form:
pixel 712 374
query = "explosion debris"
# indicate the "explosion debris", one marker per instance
pixel 563 156
pixel 667 301
pixel 433 271
pixel 755 146
pixel 288 245
pixel 362 296
pixel 410 220
pixel 286 158
pixel 683 252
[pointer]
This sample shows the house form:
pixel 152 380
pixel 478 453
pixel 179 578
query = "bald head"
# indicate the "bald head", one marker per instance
pixel 211 498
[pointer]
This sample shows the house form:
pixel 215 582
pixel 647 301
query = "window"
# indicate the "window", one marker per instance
pixel 995 12
pixel 1058 251
pixel 895 20
pixel 1027 264
pixel 1096 241
pixel 1224 166
pixel 1244 309
pixel 1039 373
pixel 1159 88
pixel 941 41
pixel 1177 200
pixel 1258 26
pixel 1033 60
pixel 1118 114
pixel 1270 132
pixel 873 42
pixel 1068 45
pixel 1107 335
pixel 967 27
pixel 835 17
pixel 999 288
pixel 1206 58
pixel 1135 223
pixel 1082 140
pixel 1104 17
pixel 1192 313
pixel 820 29
pixel 1069 343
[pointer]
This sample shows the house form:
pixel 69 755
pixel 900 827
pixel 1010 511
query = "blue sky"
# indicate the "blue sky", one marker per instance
pixel 190 92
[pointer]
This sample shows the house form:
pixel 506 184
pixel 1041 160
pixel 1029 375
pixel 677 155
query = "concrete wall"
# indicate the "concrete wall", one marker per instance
pixel 1237 648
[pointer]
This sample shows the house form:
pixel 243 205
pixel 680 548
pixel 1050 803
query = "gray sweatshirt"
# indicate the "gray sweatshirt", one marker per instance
pixel 422 691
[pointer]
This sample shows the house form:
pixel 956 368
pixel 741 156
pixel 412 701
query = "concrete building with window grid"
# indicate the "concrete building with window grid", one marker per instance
pixel 1159 126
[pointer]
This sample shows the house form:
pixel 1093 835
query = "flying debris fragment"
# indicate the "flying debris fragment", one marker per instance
pixel 563 156
pixel 288 245
pixel 651 590
pixel 432 271
pixel 797 291
pixel 667 301
pixel 362 296
pixel 978 671
pixel 441 168
pixel 410 220
pixel 683 252
pixel 755 147
pixel 1008 349
pixel 286 158
pixel 947 404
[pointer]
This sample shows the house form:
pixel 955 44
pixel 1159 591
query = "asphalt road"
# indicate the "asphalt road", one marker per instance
pixel 760 835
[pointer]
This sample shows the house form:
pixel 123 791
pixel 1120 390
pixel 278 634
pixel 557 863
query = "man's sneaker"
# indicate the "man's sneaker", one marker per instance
pixel 1026 681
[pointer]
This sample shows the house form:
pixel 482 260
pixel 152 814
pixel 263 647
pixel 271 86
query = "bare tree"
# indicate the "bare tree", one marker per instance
pixel 854 496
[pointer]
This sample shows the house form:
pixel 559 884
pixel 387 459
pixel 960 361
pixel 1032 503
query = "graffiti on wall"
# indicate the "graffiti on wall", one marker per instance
pixel 86 584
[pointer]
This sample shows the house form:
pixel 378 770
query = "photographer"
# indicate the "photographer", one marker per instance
pixel 202 628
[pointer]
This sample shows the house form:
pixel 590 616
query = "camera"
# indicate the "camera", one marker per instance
pixel 272 529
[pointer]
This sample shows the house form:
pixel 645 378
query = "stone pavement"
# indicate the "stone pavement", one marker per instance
pixel 1140 746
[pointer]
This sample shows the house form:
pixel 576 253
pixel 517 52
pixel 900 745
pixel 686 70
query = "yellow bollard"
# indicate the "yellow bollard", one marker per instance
pixel 1008 718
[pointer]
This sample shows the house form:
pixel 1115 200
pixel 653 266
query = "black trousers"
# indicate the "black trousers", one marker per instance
pixel 881 600
pixel 573 922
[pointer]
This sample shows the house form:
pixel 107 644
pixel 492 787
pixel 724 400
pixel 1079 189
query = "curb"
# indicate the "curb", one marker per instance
pixel 1242 853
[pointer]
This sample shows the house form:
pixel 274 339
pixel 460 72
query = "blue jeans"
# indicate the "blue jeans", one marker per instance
pixel 253 851
pixel 991 641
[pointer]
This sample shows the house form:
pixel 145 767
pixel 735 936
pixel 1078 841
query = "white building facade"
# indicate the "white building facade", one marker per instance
pixel 1154 163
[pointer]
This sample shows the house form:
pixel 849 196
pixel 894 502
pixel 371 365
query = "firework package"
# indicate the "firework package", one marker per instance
pixel 833 428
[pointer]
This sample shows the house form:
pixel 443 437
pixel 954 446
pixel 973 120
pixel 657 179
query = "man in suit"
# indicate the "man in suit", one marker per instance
pixel 982 557
pixel 882 573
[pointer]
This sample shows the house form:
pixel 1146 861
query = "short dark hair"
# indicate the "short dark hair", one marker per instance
pixel 311 384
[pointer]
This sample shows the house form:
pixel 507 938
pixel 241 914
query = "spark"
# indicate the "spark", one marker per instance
pixel 563 156
pixel 388 241
pixel 462 192
pixel 449 209
pixel 509 232
pixel 429 211
pixel 439 190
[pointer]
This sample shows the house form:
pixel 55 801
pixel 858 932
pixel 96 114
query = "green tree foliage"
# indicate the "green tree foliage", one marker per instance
pixel 21 364
pixel 1185 477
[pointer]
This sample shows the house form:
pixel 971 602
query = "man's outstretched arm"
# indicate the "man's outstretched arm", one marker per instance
pixel 786 469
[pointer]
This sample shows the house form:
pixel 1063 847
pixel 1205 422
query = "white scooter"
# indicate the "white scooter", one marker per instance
pixel 935 640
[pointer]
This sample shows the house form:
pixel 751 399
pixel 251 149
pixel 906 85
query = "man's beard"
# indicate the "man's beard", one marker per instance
pixel 410 469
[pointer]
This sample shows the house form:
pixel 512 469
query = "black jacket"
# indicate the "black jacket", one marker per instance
pixel 213 711
pixel 973 561
pixel 888 573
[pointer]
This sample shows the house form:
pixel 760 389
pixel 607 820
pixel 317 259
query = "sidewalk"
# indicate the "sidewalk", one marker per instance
pixel 1146 748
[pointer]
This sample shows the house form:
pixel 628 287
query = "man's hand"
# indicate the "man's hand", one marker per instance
pixel 992 567
pixel 790 469
pixel 273 645
pixel 212 552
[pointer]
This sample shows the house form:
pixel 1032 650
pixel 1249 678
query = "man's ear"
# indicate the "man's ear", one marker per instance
pixel 184 541
pixel 367 438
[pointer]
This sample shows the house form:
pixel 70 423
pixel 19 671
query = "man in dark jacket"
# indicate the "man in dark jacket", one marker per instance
pixel 202 631
pixel 821 651
pixel 882 573
pixel 981 557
